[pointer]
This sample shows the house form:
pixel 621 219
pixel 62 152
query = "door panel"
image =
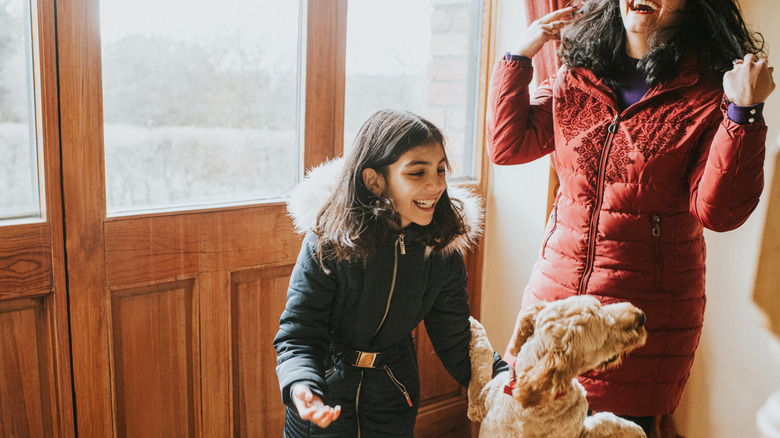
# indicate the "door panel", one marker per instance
pixel 154 353
pixel 26 400
pixel 258 299
pixel 25 260
pixel 173 313
pixel 35 386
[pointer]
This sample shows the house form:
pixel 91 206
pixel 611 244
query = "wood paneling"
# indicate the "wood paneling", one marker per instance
pixel 25 261
pixel 26 399
pixel 258 299
pixel 165 246
pixel 154 333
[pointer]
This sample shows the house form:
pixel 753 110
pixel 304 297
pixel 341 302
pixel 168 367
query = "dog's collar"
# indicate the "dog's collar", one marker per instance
pixel 510 387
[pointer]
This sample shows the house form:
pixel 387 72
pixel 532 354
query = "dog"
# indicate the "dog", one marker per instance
pixel 555 343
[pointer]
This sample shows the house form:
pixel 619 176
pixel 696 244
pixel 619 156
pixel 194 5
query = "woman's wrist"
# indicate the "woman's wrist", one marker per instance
pixel 745 115
pixel 509 56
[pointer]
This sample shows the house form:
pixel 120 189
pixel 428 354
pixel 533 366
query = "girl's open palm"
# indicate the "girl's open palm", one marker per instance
pixel 749 82
pixel 310 407
pixel 541 31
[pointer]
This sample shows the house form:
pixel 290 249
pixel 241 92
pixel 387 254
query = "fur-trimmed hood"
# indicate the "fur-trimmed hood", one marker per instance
pixel 310 195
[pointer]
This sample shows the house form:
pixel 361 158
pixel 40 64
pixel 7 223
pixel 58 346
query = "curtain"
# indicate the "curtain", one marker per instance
pixel 546 63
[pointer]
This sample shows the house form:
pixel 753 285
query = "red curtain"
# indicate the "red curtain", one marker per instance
pixel 546 62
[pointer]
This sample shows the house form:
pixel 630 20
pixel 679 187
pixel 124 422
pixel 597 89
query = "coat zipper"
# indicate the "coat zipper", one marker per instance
pixel 399 244
pixel 593 228
pixel 399 385
pixel 657 250
pixel 357 403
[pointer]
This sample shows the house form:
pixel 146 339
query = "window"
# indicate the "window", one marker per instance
pixel 19 197
pixel 417 55
pixel 200 102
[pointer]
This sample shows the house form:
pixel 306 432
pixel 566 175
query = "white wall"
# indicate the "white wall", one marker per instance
pixel 734 371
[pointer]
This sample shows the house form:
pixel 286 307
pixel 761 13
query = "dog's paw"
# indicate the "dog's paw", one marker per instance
pixel 605 425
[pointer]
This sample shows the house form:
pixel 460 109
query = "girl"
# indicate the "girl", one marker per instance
pixel 655 124
pixel 382 252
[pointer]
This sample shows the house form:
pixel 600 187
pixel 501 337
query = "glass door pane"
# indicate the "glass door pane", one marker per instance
pixel 19 196
pixel 416 55
pixel 200 102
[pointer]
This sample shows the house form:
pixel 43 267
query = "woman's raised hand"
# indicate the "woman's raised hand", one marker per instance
pixel 543 30
pixel 311 408
pixel 749 82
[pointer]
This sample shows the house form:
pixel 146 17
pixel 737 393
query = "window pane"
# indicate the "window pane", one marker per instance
pixel 200 101
pixel 18 148
pixel 417 55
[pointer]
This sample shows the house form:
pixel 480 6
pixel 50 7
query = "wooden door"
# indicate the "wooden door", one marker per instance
pixel 173 313
pixel 35 385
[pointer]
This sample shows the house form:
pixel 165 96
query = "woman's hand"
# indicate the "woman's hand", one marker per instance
pixel 749 82
pixel 311 408
pixel 543 30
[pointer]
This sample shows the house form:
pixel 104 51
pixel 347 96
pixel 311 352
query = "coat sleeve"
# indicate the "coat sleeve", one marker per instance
pixel 520 129
pixel 447 323
pixel 728 173
pixel 303 338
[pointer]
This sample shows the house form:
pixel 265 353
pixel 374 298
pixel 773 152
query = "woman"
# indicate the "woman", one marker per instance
pixel 655 124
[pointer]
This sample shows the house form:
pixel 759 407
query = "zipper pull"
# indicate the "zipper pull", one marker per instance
pixel 401 243
pixel 657 226
pixel 613 127
pixel 408 399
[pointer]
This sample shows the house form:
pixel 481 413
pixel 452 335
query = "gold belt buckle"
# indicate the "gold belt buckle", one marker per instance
pixel 365 360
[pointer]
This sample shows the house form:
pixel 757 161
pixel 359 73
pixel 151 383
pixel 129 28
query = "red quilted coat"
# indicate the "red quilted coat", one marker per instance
pixel 637 188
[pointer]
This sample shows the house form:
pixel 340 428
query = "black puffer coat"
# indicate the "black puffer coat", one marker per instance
pixel 373 307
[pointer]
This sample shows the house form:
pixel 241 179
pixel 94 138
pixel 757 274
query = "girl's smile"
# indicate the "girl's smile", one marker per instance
pixel 414 183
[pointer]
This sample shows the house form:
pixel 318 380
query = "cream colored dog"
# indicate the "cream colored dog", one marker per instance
pixel 556 342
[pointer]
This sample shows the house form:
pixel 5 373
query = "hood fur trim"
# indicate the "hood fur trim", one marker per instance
pixel 310 195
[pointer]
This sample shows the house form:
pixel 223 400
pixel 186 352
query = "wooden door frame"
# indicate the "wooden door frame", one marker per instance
pixel 32 258
pixel 83 180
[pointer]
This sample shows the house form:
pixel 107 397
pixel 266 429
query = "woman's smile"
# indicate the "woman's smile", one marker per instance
pixel 643 6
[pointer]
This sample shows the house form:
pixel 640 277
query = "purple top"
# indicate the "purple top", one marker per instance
pixel 634 89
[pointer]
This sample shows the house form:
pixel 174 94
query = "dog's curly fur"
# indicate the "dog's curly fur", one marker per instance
pixel 556 342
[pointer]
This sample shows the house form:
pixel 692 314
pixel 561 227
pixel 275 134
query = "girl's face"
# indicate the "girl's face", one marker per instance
pixel 416 182
pixel 641 17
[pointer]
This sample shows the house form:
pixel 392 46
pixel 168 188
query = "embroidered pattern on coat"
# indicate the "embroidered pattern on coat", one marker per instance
pixel 647 133
pixel 577 112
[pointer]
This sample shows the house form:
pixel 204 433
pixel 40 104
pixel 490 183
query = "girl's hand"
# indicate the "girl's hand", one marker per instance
pixel 311 408
pixel 749 82
pixel 543 30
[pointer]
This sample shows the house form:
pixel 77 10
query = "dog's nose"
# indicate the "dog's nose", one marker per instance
pixel 640 319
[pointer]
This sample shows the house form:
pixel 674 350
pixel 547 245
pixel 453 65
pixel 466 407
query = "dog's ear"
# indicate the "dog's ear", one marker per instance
pixel 524 327
pixel 534 387
pixel 550 376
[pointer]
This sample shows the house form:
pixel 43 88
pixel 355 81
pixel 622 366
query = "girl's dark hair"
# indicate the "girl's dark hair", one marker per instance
pixel 354 222
pixel 711 30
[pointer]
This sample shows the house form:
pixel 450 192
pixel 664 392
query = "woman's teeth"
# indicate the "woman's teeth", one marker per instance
pixel 643 6
pixel 427 203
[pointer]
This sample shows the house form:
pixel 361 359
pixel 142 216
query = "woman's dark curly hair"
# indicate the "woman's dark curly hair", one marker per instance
pixel 712 29
pixel 354 222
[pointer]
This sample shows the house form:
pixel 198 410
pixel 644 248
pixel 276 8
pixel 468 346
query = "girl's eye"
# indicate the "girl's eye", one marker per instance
pixel 442 171
pixel 420 173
